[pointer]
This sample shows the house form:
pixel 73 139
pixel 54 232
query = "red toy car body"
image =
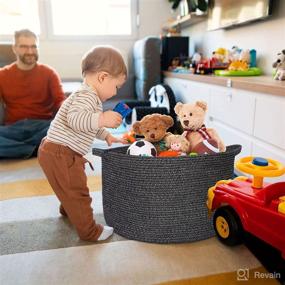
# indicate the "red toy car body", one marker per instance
pixel 239 205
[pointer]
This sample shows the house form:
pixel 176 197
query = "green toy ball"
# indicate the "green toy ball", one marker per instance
pixel 193 154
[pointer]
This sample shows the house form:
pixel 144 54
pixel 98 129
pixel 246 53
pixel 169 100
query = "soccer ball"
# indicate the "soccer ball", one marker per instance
pixel 142 148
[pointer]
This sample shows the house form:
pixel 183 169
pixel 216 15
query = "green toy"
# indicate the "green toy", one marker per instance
pixel 252 71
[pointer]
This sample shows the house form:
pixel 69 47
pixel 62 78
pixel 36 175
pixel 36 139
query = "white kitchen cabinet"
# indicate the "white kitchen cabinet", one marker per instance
pixel 253 119
pixel 269 123
pixel 187 91
pixel 233 107
pixel 231 136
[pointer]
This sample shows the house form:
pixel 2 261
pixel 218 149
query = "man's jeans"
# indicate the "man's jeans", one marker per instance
pixel 22 139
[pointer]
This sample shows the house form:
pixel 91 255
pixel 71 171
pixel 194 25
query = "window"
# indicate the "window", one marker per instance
pixel 19 14
pixel 91 17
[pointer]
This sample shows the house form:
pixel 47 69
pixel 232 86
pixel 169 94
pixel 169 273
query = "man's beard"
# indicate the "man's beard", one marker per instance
pixel 29 59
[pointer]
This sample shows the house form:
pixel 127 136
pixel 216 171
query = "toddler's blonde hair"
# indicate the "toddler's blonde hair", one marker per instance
pixel 103 58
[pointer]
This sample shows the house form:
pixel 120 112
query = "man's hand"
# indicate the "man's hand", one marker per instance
pixel 110 119
pixel 110 139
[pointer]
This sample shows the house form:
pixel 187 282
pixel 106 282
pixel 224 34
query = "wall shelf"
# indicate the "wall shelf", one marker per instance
pixel 185 21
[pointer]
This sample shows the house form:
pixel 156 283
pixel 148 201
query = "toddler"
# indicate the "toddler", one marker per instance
pixel 79 120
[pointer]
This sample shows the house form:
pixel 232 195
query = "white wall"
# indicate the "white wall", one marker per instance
pixel 267 37
pixel 65 56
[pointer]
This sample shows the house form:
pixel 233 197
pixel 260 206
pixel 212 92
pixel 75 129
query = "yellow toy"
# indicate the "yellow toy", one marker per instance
pixel 240 65
pixel 221 54
pixel 273 168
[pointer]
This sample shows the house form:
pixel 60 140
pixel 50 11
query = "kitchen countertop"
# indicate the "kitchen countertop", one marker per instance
pixel 262 84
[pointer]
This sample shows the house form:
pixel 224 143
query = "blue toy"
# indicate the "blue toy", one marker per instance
pixel 252 60
pixel 122 109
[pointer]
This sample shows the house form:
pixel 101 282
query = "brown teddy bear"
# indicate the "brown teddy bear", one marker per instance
pixel 192 117
pixel 154 128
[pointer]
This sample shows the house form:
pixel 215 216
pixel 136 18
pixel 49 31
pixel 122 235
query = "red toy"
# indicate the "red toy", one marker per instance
pixel 246 204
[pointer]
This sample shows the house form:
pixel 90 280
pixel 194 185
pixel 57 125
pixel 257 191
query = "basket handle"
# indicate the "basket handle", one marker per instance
pixel 236 149
pixel 99 152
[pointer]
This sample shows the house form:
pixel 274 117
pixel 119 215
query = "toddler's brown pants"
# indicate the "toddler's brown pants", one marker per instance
pixel 64 169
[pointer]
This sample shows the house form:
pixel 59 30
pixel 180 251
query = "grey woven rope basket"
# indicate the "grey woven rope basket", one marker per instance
pixel 161 200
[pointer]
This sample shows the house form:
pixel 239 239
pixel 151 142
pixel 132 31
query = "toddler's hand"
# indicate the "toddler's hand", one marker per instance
pixel 110 119
pixel 110 139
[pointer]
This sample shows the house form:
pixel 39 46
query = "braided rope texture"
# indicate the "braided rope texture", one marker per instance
pixel 161 200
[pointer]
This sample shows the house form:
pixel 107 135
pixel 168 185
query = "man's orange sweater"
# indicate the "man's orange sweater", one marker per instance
pixel 30 94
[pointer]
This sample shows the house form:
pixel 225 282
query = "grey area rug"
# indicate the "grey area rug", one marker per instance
pixel 18 237
pixel 30 224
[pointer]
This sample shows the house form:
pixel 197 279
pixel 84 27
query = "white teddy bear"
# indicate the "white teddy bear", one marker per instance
pixel 279 64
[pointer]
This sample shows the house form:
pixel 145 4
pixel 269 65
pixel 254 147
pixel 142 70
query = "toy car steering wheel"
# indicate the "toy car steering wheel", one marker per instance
pixel 260 168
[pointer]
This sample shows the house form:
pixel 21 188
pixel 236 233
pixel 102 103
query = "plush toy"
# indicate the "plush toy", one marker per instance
pixel 177 143
pixel 279 64
pixel 192 118
pixel 154 129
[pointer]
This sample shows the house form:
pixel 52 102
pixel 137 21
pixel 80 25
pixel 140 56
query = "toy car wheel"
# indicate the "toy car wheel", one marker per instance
pixel 227 226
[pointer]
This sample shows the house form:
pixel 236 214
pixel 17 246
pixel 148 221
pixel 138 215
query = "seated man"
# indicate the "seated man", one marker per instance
pixel 31 93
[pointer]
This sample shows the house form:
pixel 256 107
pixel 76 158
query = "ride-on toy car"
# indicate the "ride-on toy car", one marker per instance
pixel 246 204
